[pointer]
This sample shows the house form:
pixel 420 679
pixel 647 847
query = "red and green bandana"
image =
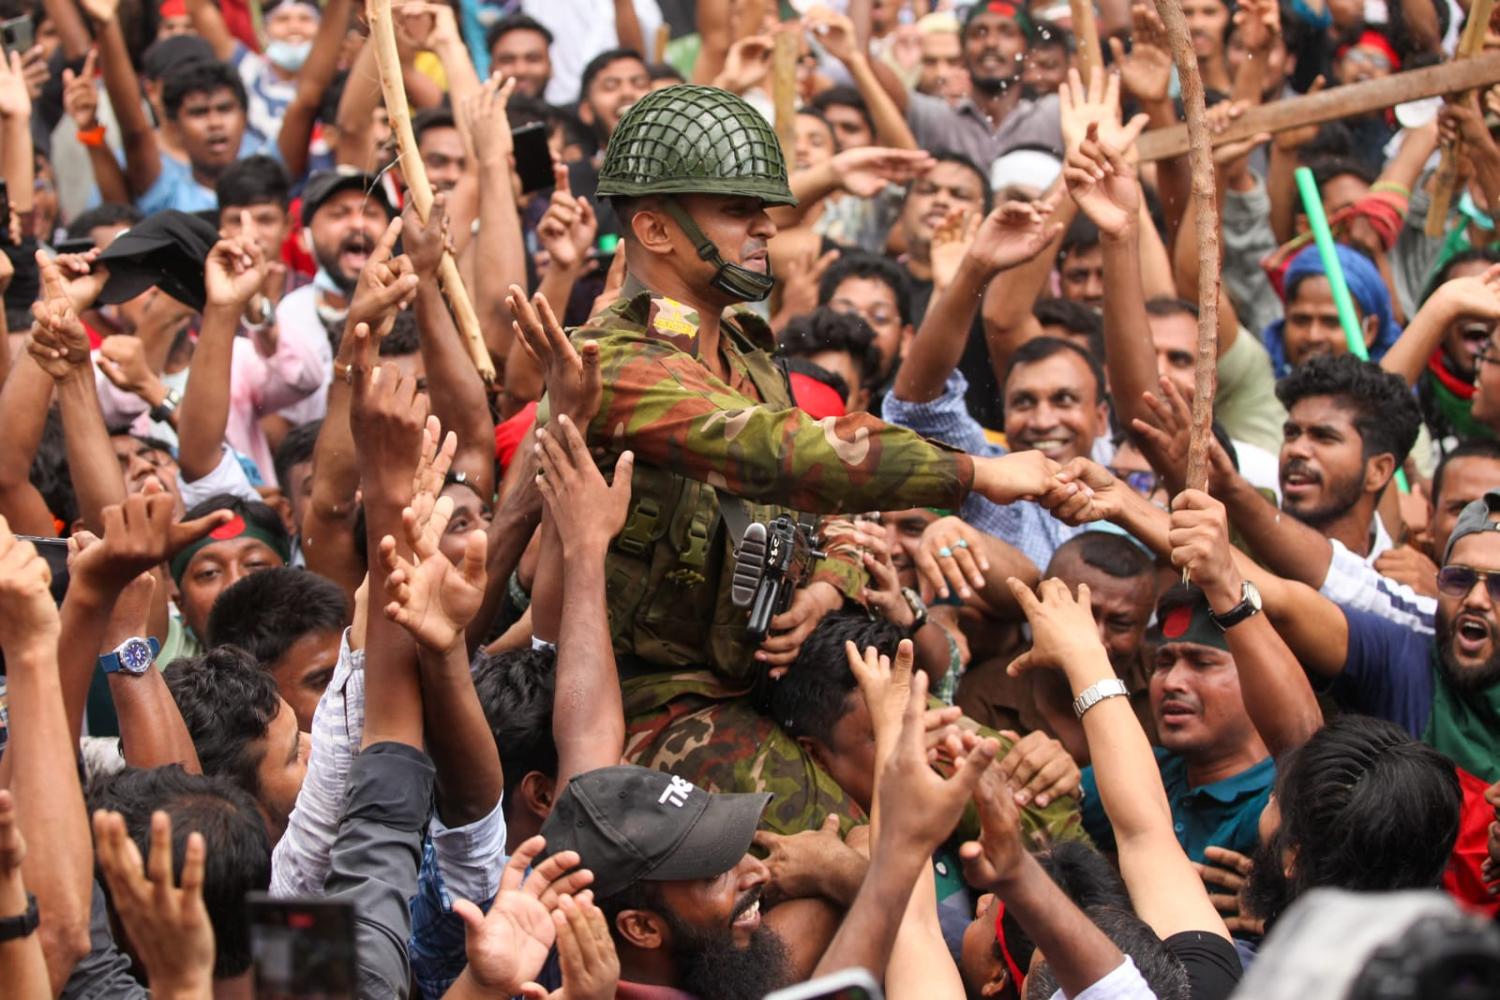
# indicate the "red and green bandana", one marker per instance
pixel 236 527
pixel 1003 8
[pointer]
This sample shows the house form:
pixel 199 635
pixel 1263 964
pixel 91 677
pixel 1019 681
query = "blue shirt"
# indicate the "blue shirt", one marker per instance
pixel 1387 672
pixel 1222 814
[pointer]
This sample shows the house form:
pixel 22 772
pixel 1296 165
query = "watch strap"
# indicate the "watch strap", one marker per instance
pixel 1241 611
pixel 111 662
pixel 1110 687
pixel 162 411
pixel 21 924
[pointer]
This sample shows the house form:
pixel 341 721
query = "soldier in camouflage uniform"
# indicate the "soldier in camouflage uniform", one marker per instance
pixel 692 388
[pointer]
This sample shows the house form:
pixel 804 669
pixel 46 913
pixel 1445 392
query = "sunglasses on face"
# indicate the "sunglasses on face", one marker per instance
pixel 1458 581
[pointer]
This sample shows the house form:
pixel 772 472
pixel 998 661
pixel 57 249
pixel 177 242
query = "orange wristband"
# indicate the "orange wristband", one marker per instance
pixel 91 136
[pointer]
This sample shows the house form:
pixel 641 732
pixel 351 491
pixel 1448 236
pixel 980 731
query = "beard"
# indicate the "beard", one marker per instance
pixel 1465 680
pixel 329 261
pixel 1338 498
pixel 711 966
pixel 1267 892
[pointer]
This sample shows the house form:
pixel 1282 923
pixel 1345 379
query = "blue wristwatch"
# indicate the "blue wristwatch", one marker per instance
pixel 133 656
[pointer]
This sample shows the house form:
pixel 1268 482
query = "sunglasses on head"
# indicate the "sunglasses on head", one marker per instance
pixel 1458 581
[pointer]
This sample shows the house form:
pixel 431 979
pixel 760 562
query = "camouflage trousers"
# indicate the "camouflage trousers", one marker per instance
pixel 691 723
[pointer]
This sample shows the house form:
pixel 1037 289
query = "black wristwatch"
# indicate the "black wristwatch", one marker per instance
pixel 22 924
pixel 162 412
pixel 1249 606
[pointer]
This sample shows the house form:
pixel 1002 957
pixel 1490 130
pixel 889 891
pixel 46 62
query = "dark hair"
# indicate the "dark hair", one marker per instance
pixel 986 196
pixel 1484 255
pixel 255 180
pixel 599 63
pixel 265 613
pixel 843 96
pixel 297 447
pixel 108 213
pixel 515 691
pixel 428 119
pixel 813 695
pixel 1325 168
pixel 237 859
pixel 1082 234
pixel 515 22
pixel 1164 306
pixel 200 78
pixel 50 473
pixel 871 267
pixel 1336 794
pixel 227 703
pixel 664 71
pixel 1048 35
pixel 1111 554
pixel 1385 412
pixel 824 329
pixel 1074 317
pixel 1085 876
pixel 1474 448
pixel 1041 348
pixel 404 338
pixel 1158 965
pixel 252 511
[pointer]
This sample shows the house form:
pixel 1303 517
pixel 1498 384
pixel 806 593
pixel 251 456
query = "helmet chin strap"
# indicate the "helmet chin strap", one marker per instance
pixel 739 283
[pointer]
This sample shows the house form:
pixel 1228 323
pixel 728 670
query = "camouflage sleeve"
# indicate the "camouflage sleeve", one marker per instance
pixel 1042 827
pixel 673 413
pixel 843 566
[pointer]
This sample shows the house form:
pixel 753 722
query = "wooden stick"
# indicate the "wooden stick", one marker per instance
pixel 1443 183
pixel 1201 159
pixel 784 90
pixel 659 44
pixel 383 36
pixel 1086 36
pixel 1340 102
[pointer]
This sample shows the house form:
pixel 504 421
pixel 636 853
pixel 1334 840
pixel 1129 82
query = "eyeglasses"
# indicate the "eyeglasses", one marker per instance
pixel 1489 355
pixel 1458 581
pixel 1143 481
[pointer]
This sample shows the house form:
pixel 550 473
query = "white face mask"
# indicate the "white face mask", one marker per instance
pixel 288 55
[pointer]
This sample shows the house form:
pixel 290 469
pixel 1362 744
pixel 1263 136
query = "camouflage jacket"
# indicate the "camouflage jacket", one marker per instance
pixel 693 433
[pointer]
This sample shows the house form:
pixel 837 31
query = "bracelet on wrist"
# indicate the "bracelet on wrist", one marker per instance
pixel 93 137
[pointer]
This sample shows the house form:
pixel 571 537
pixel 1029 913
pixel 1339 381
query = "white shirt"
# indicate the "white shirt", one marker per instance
pixel 581 29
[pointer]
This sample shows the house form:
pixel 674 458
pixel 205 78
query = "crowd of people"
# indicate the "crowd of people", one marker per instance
pixel 816 587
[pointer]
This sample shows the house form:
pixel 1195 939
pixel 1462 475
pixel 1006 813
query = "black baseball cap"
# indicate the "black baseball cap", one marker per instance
pixel 1474 518
pixel 167 54
pixel 1182 616
pixel 326 183
pixel 166 250
pixel 632 824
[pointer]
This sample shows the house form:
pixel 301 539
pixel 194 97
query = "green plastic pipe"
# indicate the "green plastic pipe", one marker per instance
pixel 1317 221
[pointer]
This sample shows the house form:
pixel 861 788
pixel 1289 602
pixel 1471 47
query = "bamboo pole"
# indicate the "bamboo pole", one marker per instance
pixel 784 89
pixel 1470 44
pixel 383 37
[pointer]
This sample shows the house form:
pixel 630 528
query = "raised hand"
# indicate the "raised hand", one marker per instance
pixel 431 598
pixel 586 953
pixel 568 228
pixel 1257 24
pixel 834 31
pixel 102 11
pixel 1013 233
pixel 1039 767
pixel 58 342
pixel 235 270
pixel 1146 70
pixel 507 946
pixel 1476 296
pixel 1102 183
pixel 424 243
pixel 950 554
pixel 813 863
pixel 385 286
pixel 388 417
pixel 799 289
pixel 883 595
pixel 885 684
pixel 81 93
pixel 483 114
pixel 1199 537
pixel 996 857
pixel 951 240
pixel 572 380
pixel 1098 105
pixel 28 615
pixel 436 458
pixel 867 170
pixel 587 511
pixel 1062 627
pixel 167 924
pixel 139 534
pixel 15 96
pixel 746 64
pixel 1084 492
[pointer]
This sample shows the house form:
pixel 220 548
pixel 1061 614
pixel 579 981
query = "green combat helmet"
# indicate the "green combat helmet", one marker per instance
pixel 690 139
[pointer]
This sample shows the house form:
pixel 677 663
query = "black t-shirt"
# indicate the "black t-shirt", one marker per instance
pixel 1212 963
pixel 983 397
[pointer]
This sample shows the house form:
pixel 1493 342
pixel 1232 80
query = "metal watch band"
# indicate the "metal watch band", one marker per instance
pixel 1098 691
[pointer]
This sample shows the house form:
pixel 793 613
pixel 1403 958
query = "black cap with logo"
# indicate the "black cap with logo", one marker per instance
pixel 324 184
pixel 1182 615
pixel 630 824
pixel 167 250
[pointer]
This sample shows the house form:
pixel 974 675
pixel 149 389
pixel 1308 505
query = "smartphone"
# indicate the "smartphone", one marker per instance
pixel 302 949
pixel 17 34
pixel 847 984
pixel 4 213
pixel 533 157
pixel 604 251
pixel 55 552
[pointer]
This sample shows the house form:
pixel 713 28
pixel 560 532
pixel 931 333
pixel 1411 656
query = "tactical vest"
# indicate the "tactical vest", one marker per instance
pixel 668 570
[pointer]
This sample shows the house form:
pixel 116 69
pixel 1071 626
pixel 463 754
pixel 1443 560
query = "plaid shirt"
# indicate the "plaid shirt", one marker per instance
pixel 1026 525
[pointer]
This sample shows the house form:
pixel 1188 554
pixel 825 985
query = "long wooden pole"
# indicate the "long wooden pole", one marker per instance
pixel 1339 102
pixel 1470 44
pixel 1086 37
pixel 784 90
pixel 383 36
pixel 1201 165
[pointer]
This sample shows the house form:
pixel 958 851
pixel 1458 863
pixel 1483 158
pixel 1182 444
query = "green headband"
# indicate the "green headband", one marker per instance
pixel 236 527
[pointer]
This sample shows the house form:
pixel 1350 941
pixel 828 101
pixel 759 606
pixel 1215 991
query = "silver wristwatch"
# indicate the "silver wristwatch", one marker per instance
pixel 1096 692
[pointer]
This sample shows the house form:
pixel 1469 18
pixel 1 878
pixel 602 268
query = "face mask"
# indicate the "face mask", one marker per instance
pixel 288 55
